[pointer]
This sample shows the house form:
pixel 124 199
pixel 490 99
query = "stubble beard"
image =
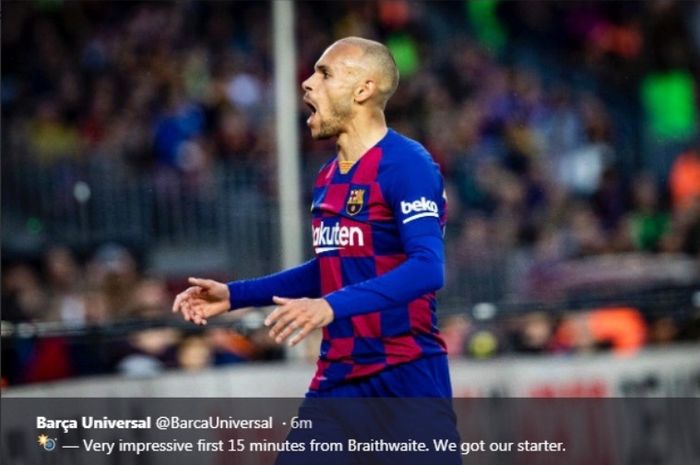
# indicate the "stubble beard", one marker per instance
pixel 329 127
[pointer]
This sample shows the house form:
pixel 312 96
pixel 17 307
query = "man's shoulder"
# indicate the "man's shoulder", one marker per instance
pixel 397 144
pixel 400 151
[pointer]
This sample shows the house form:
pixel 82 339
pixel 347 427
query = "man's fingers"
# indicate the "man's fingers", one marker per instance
pixel 193 304
pixel 287 331
pixel 203 283
pixel 191 307
pixel 178 300
pixel 183 297
pixel 293 314
pixel 282 308
pixel 283 322
pixel 201 313
pixel 275 315
pixel 305 330
pixel 199 319
pixel 281 300
pixel 185 310
pixel 270 318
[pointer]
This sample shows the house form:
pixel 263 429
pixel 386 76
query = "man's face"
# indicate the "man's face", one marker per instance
pixel 329 91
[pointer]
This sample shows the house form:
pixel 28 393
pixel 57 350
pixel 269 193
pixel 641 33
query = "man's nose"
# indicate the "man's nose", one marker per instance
pixel 306 85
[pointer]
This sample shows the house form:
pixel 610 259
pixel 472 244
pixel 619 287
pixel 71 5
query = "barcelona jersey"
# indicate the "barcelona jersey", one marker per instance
pixel 386 211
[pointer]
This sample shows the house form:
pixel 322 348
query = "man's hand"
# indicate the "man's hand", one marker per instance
pixel 304 315
pixel 204 299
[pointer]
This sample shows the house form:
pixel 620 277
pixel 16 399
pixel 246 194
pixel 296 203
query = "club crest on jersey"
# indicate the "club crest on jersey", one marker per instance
pixel 355 201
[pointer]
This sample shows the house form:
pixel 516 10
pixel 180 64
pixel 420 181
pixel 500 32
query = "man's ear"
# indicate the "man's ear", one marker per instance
pixel 365 91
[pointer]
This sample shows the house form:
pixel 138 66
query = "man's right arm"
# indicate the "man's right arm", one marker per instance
pixel 301 281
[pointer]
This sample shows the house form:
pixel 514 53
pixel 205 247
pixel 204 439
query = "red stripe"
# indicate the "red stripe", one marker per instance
pixel 368 166
pixel 367 325
pixel 385 263
pixel 326 174
pixel 420 314
pixel 321 367
pixel 331 276
pixel 341 348
pixel 334 200
pixel 378 208
pixel 401 349
pixel 366 370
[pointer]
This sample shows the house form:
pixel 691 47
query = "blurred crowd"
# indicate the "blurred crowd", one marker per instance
pixel 103 290
pixel 541 168
pixel 623 330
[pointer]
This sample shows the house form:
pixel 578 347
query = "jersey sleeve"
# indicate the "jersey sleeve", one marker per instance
pixel 301 281
pixel 414 192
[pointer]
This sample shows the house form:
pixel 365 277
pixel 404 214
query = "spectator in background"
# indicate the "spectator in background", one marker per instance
pixel 147 298
pixel 585 230
pixel 685 179
pixel 148 352
pixel 24 297
pixel 180 124
pixel 114 272
pixel 647 222
pixel 621 329
pixel 532 333
pixel 229 347
pixel 52 138
pixel 194 353
pixel 455 330
pixel 684 232
pixel 64 281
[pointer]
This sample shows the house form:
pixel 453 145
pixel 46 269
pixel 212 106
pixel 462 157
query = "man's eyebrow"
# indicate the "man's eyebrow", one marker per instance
pixel 321 67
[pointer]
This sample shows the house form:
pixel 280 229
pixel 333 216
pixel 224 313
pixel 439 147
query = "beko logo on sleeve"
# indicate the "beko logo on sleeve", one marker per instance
pixel 421 207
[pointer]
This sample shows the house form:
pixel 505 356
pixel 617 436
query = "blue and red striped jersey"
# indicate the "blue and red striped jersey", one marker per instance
pixel 387 210
pixel 377 232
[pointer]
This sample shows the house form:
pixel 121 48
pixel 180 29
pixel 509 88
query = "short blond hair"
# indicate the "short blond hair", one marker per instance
pixel 382 61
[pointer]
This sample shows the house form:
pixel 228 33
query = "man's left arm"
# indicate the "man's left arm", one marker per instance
pixel 414 191
pixel 422 272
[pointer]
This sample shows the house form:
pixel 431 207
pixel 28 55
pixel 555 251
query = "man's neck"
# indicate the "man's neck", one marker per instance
pixel 359 138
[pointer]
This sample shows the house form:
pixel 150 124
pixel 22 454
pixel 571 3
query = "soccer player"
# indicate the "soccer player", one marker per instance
pixel 378 215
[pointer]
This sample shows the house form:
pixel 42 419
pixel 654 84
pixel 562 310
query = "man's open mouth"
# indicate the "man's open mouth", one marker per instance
pixel 311 106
